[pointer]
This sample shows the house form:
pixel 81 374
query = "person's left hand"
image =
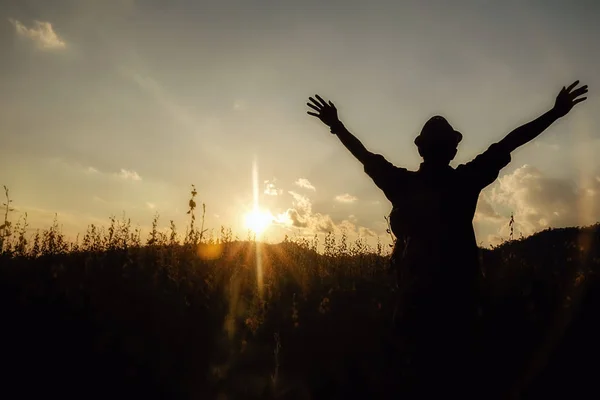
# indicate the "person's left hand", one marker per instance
pixel 567 98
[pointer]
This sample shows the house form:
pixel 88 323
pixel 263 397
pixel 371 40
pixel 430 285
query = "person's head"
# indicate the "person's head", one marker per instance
pixel 438 141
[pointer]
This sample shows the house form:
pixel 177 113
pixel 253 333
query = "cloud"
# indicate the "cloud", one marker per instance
pixel 538 201
pixel 301 216
pixel 366 232
pixel 551 146
pixel 304 183
pixel 295 218
pixel 151 206
pixel 239 105
pixel 346 198
pixel 271 190
pixel 41 33
pixel 485 211
pixel 126 174
pixel 322 223
pixel 347 226
pixel 301 203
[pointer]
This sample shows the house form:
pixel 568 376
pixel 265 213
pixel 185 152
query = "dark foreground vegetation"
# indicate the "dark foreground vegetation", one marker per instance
pixel 118 317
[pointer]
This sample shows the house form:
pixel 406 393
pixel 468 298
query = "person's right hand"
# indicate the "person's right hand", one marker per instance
pixel 326 112
pixel 568 98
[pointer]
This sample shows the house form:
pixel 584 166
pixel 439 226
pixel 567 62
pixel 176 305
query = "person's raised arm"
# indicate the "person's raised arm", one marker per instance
pixel 384 174
pixel 567 98
pixel 327 113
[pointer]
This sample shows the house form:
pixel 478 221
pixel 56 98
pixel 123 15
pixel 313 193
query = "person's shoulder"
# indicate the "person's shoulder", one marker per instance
pixel 459 168
pixel 494 152
pixel 485 168
pixel 378 161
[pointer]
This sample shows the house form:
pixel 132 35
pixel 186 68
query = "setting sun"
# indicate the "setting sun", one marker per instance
pixel 258 220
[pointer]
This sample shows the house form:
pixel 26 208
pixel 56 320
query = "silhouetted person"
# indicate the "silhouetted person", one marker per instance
pixel 435 253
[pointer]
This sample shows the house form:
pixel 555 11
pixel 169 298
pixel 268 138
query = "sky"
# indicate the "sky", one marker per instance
pixel 116 107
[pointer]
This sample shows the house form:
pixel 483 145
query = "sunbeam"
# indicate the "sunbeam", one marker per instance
pixel 258 223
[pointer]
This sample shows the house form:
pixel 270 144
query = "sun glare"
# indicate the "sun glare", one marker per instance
pixel 258 220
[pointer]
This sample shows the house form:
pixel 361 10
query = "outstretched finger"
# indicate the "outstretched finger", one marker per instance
pixel 572 86
pixel 316 103
pixel 579 100
pixel 580 91
pixel 313 114
pixel 332 105
pixel 313 107
pixel 321 100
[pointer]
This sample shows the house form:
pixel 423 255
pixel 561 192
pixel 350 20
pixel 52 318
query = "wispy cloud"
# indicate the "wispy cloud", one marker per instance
pixel 41 33
pixel 239 105
pixel 99 199
pixel 346 198
pixel 366 232
pixel 126 174
pixel 551 146
pixel 271 190
pixel 304 183
pixel 151 206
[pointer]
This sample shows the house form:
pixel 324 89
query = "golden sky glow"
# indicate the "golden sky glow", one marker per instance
pixel 112 106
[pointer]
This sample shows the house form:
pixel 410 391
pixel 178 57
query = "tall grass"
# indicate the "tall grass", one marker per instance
pixel 187 316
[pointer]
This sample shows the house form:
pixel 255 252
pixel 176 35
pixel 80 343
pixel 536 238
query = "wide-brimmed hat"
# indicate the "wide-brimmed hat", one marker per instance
pixel 438 131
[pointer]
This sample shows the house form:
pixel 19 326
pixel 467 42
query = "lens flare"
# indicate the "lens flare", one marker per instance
pixel 258 221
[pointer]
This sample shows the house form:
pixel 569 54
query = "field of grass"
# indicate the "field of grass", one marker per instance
pixel 117 315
